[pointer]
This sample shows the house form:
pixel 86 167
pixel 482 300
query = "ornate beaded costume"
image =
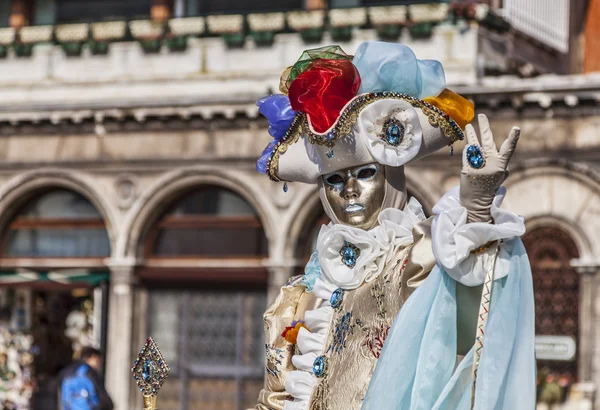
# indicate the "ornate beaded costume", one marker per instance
pixel 349 122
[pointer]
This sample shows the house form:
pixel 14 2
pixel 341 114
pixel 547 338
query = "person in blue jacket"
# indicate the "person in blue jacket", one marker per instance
pixel 80 385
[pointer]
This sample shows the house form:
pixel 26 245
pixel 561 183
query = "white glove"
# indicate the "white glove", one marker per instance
pixel 484 169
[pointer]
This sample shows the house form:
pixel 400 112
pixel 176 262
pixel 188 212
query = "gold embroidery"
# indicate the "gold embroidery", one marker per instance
pixel 377 291
pixel 319 400
pixel 483 248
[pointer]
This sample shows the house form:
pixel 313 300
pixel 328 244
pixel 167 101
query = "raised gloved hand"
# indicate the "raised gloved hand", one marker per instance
pixel 484 169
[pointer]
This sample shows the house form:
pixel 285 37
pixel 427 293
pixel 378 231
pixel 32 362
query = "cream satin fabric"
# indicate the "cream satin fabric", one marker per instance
pixel 290 305
pixel 374 304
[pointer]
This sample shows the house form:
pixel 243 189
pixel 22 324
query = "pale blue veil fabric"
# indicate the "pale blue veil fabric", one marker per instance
pixel 394 67
pixel 416 369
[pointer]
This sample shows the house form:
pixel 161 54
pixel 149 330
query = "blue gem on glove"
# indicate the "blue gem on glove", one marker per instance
pixel 349 254
pixel 475 156
pixel 320 366
pixel 336 298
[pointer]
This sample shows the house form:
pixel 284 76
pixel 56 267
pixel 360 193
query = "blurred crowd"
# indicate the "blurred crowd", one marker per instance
pixel 33 352
pixel 17 384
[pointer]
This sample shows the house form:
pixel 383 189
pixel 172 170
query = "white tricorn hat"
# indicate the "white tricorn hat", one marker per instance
pixel 398 118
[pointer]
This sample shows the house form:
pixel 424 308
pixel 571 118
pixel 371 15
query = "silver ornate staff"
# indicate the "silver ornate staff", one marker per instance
pixel 150 371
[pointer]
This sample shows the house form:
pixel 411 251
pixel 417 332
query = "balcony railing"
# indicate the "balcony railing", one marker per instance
pixel 547 22
pixel 389 22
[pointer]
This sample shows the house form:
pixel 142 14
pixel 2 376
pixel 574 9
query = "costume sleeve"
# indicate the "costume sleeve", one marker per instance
pixel 291 303
pixel 460 247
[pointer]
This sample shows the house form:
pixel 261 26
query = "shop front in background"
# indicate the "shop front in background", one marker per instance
pixel 53 293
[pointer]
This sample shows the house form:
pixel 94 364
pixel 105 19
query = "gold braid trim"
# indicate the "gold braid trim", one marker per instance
pixel 343 126
pixel 291 136
pixel 482 248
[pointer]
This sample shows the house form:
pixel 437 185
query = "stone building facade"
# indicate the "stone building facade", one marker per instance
pixel 138 135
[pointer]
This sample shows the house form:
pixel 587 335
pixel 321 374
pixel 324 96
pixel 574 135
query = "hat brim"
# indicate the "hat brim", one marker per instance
pixel 356 137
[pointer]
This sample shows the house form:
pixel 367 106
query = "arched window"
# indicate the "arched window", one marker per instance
pixel 53 282
pixel 207 295
pixel 57 224
pixel 556 288
pixel 208 222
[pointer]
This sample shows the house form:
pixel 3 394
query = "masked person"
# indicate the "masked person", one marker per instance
pixel 350 125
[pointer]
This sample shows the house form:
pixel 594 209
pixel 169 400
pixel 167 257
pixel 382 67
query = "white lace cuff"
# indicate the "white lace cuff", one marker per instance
pixel 454 239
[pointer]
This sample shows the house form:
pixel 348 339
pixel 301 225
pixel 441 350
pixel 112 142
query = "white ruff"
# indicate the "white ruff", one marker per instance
pixel 377 246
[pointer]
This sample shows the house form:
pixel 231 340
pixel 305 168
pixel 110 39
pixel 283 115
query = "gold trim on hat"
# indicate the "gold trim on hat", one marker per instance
pixel 344 124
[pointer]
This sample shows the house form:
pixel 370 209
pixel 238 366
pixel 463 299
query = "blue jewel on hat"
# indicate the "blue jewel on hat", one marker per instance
pixel 349 254
pixel 393 132
pixel 475 157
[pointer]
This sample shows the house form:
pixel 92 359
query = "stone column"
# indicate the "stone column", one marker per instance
pixel 589 325
pixel 278 276
pixel 120 324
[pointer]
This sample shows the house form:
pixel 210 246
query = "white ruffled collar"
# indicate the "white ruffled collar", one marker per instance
pixel 367 252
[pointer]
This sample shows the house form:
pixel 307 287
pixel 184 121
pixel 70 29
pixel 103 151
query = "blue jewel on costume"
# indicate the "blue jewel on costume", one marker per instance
pixel 475 156
pixel 285 187
pixel 320 366
pixel 330 154
pixel 148 371
pixel 349 254
pixel 337 297
pixel 393 132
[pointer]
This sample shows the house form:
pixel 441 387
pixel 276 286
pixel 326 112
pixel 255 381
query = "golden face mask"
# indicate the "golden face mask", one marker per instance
pixel 356 194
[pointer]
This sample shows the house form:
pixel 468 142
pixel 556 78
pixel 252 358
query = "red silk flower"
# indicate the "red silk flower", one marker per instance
pixel 323 89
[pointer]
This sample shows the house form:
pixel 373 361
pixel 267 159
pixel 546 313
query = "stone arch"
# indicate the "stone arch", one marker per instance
pixel 23 186
pixel 560 196
pixel 301 213
pixel 157 196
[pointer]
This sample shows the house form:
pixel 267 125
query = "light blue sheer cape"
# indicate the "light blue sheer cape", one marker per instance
pixel 416 369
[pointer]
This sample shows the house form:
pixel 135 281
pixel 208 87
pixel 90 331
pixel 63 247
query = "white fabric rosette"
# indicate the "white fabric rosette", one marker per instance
pixel 331 240
pixel 371 123
pixel 395 228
